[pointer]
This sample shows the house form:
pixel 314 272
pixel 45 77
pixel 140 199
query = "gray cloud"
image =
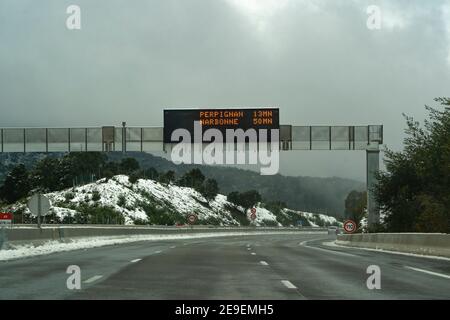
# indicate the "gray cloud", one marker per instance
pixel 316 60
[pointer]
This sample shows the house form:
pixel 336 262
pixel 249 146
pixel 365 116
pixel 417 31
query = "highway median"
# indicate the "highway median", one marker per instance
pixel 25 241
pixel 429 244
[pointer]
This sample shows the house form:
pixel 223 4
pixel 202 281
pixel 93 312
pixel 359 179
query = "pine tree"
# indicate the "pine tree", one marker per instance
pixel 210 189
pixel 414 192
pixel 17 184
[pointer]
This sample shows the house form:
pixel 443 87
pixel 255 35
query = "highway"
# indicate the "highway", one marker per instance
pixel 284 266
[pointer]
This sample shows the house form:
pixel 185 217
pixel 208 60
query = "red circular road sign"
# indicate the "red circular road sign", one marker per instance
pixel 6 216
pixel 253 216
pixel 253 210
pixel 350 226
pixel 192 218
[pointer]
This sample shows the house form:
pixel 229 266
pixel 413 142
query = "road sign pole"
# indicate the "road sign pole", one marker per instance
pixel 2 237
pixel 39 212
pixel 372 168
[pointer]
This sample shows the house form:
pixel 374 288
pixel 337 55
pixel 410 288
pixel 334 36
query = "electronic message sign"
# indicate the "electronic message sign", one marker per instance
pixel 221 119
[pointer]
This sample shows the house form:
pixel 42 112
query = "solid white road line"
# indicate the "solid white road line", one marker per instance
pixel 333 244
pixel 332 251
pixel 288 284
pixel 429 272
pixel 304 244
pixel 264 263
pixel 135 260
pixel 92 279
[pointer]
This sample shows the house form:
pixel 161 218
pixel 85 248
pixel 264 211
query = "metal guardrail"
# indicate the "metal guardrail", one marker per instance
pixel 33 235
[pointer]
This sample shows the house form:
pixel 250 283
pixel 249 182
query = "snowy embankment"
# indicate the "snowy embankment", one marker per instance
pixel 183 200
pixel 144 199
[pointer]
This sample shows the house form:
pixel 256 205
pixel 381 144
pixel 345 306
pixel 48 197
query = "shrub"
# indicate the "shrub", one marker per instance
pixel 269 223
pixel 162 216
pixel 121 201
pixel 245 199
pixel 96 195
pixel 134 177
pixel 69 196
pixel 237 215
pixel 98 215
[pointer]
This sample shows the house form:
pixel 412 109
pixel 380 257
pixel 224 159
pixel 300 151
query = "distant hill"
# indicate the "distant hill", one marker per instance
pixel 323 195
pixel 311 194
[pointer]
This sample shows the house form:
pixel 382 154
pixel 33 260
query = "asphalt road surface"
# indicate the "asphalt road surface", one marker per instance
pixel 292 266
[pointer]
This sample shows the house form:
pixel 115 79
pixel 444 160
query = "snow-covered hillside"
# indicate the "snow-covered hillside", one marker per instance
pixel 150 202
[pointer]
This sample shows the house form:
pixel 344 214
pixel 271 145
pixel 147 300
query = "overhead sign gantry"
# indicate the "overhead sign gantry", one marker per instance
pixel 153 139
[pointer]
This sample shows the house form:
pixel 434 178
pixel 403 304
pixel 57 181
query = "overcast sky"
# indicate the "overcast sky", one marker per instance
pixel 315 60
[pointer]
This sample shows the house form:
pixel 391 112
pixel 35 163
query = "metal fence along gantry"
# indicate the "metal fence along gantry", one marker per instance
pixel 148 139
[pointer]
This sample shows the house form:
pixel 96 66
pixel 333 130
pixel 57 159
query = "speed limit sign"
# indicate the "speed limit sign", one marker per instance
pixel 349 226
pixel 192 218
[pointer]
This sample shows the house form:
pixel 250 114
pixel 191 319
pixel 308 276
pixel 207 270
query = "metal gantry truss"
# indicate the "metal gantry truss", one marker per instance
pixel 148 139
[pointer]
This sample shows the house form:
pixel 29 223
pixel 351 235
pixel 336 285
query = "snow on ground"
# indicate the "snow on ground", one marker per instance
pixel 25 251
pixel 315 219
pixel 62 212
pixel 130 198
pixel 109 192
pixel 182 199
pixel 187 200
pixel 364 224
pixel 262 214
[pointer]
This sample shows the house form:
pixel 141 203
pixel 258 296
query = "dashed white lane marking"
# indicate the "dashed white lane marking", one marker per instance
pixel 288 284
pixel 135 260
pixel 253 254
pixel 429 272
pixel 92 279
pixel 264 263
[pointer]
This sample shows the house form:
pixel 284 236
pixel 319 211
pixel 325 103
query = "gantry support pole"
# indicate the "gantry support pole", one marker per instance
pixel 372 167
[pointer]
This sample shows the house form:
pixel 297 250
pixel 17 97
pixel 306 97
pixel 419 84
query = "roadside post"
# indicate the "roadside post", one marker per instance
pixel 5 222
pixel 253 214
